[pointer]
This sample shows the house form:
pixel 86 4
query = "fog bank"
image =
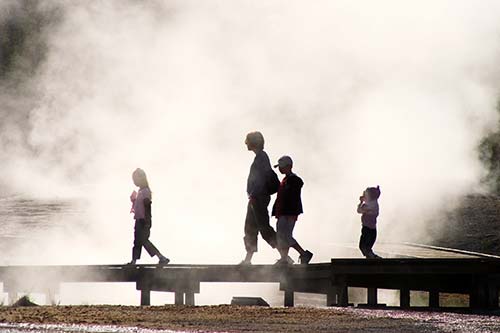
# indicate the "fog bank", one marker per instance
pixel 390 93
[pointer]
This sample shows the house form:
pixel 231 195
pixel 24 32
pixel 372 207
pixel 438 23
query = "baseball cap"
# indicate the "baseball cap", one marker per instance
pixel 284 161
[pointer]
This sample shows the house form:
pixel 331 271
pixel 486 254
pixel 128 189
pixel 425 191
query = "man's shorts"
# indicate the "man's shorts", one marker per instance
pixel 284 232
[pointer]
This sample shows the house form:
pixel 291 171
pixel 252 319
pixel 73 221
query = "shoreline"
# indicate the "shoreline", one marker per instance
pixel 228 318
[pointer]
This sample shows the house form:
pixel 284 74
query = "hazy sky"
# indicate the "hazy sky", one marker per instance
pixel 392 93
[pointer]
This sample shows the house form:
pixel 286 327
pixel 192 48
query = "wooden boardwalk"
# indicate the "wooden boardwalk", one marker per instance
pixel 463 273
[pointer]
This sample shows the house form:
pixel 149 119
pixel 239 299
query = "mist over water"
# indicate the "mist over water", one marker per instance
pixel 392 94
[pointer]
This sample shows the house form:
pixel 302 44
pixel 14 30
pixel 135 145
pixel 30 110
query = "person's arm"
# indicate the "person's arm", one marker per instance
pixel 364 208
pixel 361 204
pixel 360 209
pixel 255 182
pixel 294 189
pixel 258 175
pixel 147 209
pixel 133 197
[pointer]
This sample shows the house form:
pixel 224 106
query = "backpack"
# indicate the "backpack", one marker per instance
pixel 272 182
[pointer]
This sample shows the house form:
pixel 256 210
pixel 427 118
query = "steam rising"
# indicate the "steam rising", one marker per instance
pixel 359 94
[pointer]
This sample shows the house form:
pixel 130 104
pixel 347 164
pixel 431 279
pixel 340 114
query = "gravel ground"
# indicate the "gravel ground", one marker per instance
pixel 226 318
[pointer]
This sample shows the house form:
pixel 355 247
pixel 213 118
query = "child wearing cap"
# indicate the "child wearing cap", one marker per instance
pixel 369 209
pixel 287 208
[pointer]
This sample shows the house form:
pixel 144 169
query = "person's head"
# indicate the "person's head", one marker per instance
pixel 284 165
pixel 255 141
pixel 372 193
pixel 139 178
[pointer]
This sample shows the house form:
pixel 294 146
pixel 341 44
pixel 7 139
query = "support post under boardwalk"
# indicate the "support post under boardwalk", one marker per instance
pixel 331 297
pixel 342 290
pixel 434 299
pixel 492 296
pixel 189 298
pixel 289 301
pixel 372 299
pixel 480 292
pixel 179 298
pixel 343 295
pixel 145 297
pixel 404 298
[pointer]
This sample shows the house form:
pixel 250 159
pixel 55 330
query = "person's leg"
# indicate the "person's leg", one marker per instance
pixel 148 245
pixel 150 248
pixel 298 248
pixel 261 216
pixel 285 240
pixel 290 224
pixel 251 232
pixel 281 237
pixel 363 241
pixel 292 242
pixel 283 253
pixel 372 237
pixel 368 237
pixel 304 255
pixel 136 249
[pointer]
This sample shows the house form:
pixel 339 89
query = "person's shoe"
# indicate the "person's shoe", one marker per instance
pixel 245 263
pixel 163 260
pixel 132 262
pixel 305 258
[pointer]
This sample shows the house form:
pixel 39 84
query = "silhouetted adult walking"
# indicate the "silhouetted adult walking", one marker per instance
pixel 257 218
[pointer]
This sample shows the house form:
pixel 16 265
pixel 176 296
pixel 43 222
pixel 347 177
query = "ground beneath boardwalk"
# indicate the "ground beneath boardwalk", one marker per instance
pixel 226 318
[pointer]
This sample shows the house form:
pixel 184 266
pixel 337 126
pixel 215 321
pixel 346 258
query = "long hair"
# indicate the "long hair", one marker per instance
pixel 140 178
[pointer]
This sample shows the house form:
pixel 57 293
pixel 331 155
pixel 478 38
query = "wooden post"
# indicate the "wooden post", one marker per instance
pixel 289 300
pixel 189 298
pixel 492 295
pixel 145 297
pixel 479 297
pixel 372 299
pixel 331 297
pixel 342 290
pixel 343 295
pixel 473 303
pixel 404 298
pixel 480 293
pixel 434 299
pixel 179 298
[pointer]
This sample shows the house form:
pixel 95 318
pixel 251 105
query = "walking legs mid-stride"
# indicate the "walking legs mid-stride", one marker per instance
pixel 287 208
pixel 141 207
pixel 259 196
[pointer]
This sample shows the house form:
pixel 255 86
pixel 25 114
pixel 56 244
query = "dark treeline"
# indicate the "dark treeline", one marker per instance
pixel 489 154
pixel 24 27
